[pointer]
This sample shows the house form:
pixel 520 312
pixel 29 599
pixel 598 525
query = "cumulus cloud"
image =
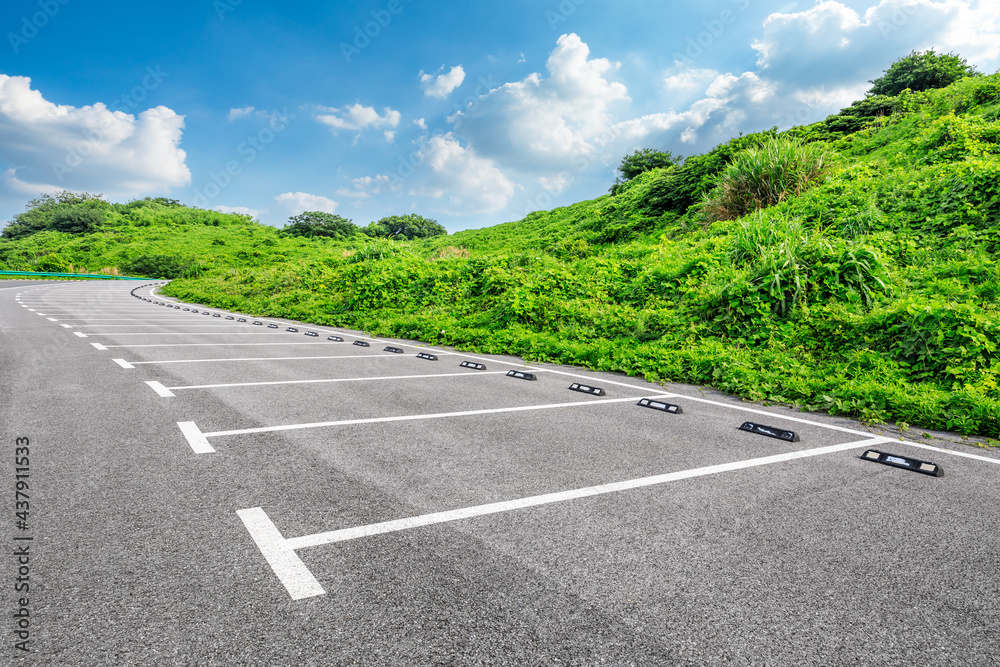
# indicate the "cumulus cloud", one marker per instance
pixel 545 121
pixel 839 45
pixel 294 203
pixel 468 182
pixel 442 85
pixel 357 118
pixel 49 147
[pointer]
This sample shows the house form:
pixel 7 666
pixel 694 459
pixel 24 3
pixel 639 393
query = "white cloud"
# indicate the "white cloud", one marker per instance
pixel 834 45
pixel 543 122
pixel 242 112
pixel 421 123
pixel 242 210
pixel 293 203
pixel 357 118
pixel 442 85
pixel 471 183
pixel 389 135
pixel 48 147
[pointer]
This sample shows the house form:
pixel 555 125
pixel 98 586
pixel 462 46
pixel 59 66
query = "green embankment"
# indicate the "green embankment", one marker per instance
pixel 874 292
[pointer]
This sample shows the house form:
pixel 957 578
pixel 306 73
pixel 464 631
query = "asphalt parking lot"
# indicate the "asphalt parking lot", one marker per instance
pixel 211 491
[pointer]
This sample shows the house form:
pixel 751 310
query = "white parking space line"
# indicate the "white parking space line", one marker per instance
pixel 279 552
pixel 80 334
pixel 195 438
pixel 66 326
pixel 436 415
pixel 202 361
pixel 304 342
pixel 831 427
pixel 291 571
pixel 361 379
pixel 189 333
pixel 123 363
pixel 52 319
pixel 160 389
pixel 98 346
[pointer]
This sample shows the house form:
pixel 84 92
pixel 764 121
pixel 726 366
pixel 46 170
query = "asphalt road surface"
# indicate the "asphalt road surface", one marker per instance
pixel 200 490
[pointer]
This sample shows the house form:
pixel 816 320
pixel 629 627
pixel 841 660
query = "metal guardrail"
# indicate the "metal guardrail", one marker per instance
pixel 36 274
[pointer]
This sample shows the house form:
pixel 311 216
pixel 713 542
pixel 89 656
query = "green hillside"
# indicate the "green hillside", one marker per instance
pixel 863 281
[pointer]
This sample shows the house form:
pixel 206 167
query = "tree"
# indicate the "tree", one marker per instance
pixel 409 226
pixel 921 70
pixel 644 160
pixel 317 223
pixel 63 212
pixel 641 161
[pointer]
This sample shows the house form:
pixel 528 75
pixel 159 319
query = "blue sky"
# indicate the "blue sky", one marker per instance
pixel 469 113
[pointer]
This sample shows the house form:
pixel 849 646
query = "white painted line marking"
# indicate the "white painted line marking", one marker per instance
pixel 80 334
pixel 52 319
pixel 40 314
pixel 562 496
pixel 32 309
pixel 192 333
pixel 159 389
pixel 304 342
pixel 195 438
pixel 199 361
pixel 66 326
pixel 290 570
pixel 439 415
pixel 98 346
pixel 830 427
pixel 385 377
pixel 123 363
pixel 300 583
pixel 947 451
pixel 173 324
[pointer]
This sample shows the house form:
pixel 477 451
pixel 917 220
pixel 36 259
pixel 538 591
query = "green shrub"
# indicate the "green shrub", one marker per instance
pixel 762 177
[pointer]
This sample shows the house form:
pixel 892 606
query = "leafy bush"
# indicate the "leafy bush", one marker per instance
pixel 921 70
pixel 410 226
pixel 762 177
pixel 165 267
pixel 314 224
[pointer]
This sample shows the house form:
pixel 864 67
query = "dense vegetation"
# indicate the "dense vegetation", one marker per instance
pixel 869 286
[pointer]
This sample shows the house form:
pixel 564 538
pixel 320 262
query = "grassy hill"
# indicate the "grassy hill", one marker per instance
pixel 871 288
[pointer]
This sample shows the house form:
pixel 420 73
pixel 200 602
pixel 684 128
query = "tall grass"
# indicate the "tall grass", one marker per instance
pixel 764 176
